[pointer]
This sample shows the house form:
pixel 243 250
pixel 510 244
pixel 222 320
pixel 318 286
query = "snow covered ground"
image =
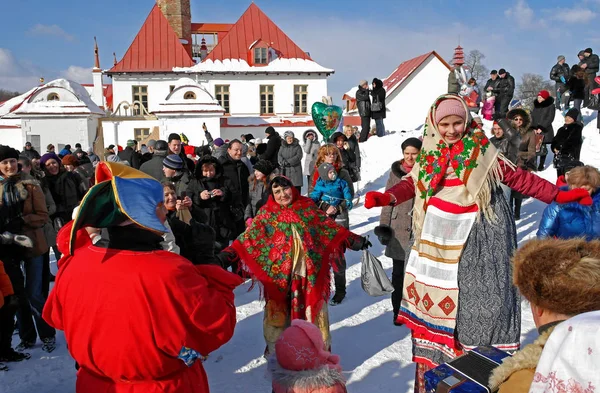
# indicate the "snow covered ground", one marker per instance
pixel 375 354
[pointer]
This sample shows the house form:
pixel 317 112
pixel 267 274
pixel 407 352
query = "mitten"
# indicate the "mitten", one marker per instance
pixel 366 244
pixel 384 234
pixel 374 198
pixel 575 195
pixel 562 79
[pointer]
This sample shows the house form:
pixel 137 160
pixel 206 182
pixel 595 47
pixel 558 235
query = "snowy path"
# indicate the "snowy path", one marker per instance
pixel 375 354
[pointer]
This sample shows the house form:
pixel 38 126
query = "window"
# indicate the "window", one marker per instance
pixel 139 134
pixel 140 93
pixel 266 100
pixel 189 95
pixel 53 97
pixel 222 95
pixel 300 99
pixel 260 56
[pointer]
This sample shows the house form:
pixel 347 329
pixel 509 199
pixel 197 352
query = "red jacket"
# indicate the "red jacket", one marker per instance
pixel 126 316
pixel 518 179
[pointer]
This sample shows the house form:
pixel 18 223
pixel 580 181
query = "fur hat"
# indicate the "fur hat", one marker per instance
pixel 261 148
pixel 264 166
pixel 559 275
pixel 8 152
pixel 573 113
pixel 301 347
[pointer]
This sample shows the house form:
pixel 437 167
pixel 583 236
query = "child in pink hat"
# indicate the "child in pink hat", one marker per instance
pixel 302 365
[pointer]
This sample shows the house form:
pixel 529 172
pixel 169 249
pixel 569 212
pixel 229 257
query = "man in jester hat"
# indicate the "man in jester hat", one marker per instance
pixel 458 291
pixel 136 318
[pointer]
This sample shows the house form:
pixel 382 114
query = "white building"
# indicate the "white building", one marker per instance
pixel 410 89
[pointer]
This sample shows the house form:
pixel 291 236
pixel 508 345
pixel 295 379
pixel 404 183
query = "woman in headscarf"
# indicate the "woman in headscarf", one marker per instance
pixel 458 291
pixel 290 247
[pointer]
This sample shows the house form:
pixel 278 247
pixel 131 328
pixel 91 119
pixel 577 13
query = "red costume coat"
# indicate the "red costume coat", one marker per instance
pixel 127 315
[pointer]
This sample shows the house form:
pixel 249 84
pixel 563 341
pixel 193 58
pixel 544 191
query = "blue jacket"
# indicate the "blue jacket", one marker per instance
pixel 332 192
pixel 571 220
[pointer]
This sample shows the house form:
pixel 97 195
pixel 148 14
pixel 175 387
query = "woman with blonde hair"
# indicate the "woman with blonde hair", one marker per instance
pixel 572 219
pixel 330 154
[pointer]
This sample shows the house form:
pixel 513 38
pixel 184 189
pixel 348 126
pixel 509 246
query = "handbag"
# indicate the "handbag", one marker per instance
pixel 376 106
pixel 374 280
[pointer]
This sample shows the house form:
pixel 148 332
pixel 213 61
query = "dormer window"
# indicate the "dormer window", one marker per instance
pixel 190 95
pixel 52 97
pixel 261 56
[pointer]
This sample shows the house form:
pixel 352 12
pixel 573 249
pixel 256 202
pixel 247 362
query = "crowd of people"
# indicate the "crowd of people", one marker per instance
pixel 152 241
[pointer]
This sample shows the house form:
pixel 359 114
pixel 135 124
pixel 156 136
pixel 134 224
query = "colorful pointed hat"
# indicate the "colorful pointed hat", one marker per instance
pixel 121 193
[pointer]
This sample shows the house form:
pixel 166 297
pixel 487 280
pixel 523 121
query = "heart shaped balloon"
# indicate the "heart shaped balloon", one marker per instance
pixel 327 118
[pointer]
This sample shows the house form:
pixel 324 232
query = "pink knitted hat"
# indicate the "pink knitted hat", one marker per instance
pixel 300 347
pixel 450 107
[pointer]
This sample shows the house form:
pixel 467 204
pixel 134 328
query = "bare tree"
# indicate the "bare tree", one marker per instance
pixel 530 86
pixel 474 62
pixel 7 95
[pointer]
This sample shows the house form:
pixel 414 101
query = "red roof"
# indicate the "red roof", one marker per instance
pixel 404 70
pixel 156 48
pixel 252 26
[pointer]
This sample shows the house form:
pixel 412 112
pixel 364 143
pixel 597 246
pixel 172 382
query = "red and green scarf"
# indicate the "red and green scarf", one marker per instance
pixel 266 249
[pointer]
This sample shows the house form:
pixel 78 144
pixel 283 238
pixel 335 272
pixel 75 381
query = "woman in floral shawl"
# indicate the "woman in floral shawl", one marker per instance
pixel 458 291
pixel 290 247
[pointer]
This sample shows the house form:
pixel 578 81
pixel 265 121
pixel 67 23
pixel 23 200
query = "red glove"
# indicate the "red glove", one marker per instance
pixel 374 198
pixel 575 195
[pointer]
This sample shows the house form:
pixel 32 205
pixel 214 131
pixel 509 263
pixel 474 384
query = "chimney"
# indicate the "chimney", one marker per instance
pixel 179 15
pixel 98 89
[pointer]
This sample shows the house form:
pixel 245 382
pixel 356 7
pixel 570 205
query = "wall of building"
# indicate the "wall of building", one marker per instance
pixel 409 104
pixel 13 137
pixel 244 90
pixel 60 131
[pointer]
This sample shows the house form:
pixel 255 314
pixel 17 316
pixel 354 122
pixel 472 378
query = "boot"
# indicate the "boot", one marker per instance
pixel 542 163
pixel 518 202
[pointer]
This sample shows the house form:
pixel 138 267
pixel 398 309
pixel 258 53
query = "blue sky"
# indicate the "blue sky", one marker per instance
pixel 359 39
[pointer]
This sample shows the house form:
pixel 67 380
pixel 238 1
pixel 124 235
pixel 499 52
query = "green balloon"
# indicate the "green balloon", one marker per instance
pixel 327 118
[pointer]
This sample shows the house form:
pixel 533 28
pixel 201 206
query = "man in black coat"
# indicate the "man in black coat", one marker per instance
pixel 560 74
pixel 130 155
pixel 154 167
pixel 237 172
pixel 505 91
pixel 363 104
pixel 30 152
pixel 591 66
pixel 273 146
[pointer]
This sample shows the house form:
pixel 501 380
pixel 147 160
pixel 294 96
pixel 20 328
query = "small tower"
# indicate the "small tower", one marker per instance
pixel 98 89
pixel 459 56
pixel 203 49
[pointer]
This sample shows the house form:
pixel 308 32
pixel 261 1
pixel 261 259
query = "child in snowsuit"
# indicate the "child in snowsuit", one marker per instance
pixel 301 363
pixel 331 191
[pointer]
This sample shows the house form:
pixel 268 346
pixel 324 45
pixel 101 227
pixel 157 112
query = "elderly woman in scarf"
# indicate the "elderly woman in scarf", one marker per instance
pixel 458 292
pixel 290 247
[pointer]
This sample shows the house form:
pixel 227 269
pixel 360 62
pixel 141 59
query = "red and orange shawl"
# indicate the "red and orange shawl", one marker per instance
pixel 266 249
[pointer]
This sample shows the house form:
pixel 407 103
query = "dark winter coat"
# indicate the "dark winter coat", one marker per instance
pixel 508 146
pixel 215 211
pixel 311 150
pixel 397 218
pixel 67 192
pixel 493 84
pixel 506 86
pixel 273 146
pixel 196 241
pixel 568 140
pixel 542 117
pixel 290 161
pixel 558 71
pixel 592 64
pixel 571 220
pixel 145 158
pixel 258 195
pixel 453 83
pixel 348 155
pixel 353 142
pixel 363 102
pixel 378 93
pixel 154 167
pixel 526 154
pixel 577 87
pixel 31 154
pixel 131 156
pixel 237 172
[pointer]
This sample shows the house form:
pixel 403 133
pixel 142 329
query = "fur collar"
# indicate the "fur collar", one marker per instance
pixel 527 358
pixel 21 186
pixel 304 380
pixel 543 104
pixel 398 169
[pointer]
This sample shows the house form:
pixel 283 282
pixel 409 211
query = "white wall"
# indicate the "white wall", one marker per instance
pixel 244 90
pixel 61 130
pixel 409 104
pixel 13 137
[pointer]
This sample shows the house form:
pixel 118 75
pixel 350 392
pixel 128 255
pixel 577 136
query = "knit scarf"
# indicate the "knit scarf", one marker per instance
pixel 453 186
pixel 289 249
